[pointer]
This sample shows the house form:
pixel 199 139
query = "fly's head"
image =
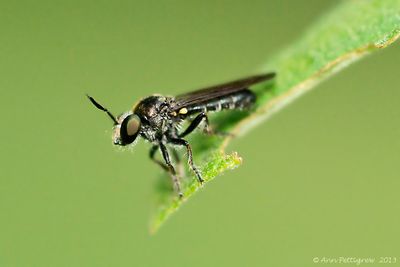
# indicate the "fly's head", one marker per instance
pixel 126 127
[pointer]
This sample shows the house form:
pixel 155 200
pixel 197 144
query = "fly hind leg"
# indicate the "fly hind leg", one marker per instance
pixel 208 129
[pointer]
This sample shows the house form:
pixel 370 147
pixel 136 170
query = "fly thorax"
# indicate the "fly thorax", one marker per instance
pixel 152 111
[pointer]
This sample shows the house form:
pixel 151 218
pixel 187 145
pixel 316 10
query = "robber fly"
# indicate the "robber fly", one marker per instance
pixel 158 119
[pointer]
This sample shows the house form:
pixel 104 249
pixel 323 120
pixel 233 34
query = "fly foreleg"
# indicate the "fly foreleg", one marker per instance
pixel 171 169
pixel 152 155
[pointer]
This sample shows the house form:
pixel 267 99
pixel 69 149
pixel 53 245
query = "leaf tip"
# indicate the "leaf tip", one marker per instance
pixel 218 163
pixel 388 39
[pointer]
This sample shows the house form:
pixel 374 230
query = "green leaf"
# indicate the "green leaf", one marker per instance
pixel 346 34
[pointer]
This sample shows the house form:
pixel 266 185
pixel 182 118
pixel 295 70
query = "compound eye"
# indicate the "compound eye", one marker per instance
pixel 133 125
pixel 130 128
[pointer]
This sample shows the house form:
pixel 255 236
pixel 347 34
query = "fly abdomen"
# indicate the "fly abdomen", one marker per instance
pixel 240 100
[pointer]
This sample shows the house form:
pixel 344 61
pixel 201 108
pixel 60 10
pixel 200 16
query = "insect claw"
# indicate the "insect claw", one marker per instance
pixel 201 180
pixel 211 132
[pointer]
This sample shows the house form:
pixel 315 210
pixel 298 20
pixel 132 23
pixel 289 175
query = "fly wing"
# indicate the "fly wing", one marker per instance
pixel 206 94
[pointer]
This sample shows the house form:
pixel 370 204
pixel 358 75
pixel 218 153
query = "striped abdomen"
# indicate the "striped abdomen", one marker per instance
pixel 239 100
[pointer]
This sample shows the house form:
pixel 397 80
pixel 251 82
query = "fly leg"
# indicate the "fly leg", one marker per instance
pixel 171 169
pixel 182 142
pixel 196 122
pixel 176 157
pixel 210 131
pixel 152 155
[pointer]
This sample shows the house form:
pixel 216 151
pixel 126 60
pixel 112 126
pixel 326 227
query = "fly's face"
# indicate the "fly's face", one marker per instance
pixel 127 129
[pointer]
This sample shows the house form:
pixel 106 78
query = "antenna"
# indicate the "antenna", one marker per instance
pixel 97 105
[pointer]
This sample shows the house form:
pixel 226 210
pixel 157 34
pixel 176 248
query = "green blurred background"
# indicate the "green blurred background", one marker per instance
pixel 321 178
